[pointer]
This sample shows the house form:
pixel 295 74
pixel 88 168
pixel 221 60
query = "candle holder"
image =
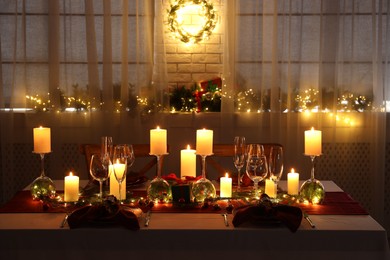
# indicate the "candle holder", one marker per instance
pixel 159 189
pixel 312 189
pixel 203 188
pixel 42 187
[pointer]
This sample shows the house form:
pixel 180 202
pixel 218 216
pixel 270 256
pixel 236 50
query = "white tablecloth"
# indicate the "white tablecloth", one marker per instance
pixel 193 236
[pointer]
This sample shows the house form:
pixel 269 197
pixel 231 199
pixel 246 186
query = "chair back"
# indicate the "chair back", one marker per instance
pixel 222 160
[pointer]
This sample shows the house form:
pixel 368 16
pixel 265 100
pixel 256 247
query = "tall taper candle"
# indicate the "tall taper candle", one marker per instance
pixel 42 140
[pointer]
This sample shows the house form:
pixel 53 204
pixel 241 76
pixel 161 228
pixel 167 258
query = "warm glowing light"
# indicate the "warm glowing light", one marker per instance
pixel 192 21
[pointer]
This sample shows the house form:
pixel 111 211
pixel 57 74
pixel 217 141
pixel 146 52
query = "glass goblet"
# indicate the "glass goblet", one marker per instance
pixel 239 157
pixel 106 145
pixel 119 165
pixel 276 163
pixel 129 153
pixel 256 167
pixel 100 170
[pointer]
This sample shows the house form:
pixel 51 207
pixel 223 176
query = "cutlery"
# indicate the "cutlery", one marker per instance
pixel 224 215
pixel 309 220
pixel 147 219
pixel 64 221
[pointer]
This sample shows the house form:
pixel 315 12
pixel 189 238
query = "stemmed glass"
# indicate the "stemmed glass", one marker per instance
pixel 256 167
pixel 276 163
pixel 239 157
pixel 129 152
pixel 99 169
pixel 119 159
pixel 106 145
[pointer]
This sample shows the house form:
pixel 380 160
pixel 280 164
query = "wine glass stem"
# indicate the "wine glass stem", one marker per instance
pixel 312 157
pixel 256 187
pixel 239 179
pixel 42 155
pixel 204 166
pixel 120 191
pixel 101 190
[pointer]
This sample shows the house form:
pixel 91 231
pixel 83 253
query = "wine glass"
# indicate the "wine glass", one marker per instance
pixel 119 160
pixel 129 153
pixel 239 157
pixel 276 163
pixel 100 169
pixel 256 167
pixel 106 145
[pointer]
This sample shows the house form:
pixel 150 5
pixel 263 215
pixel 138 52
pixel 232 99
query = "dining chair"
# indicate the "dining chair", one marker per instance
pixel 144 162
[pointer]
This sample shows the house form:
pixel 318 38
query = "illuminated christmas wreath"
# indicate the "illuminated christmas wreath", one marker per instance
pixel 208 14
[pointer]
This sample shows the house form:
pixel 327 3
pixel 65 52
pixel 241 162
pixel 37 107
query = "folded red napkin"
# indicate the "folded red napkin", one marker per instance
pixel 103 215
pixel 269 214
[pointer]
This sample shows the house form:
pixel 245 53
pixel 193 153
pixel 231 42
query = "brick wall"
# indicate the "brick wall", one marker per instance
pixel 191 63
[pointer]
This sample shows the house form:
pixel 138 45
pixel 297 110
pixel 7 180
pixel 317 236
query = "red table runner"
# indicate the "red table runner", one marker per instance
pixel 335 203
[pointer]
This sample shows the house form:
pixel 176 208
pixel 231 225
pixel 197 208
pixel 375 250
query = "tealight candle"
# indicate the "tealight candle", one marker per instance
pixel 225 187
pixel 188 162
pixel 158 141
pixel 292 182
pixel 42 142
pixel 271 188
pixel 204 142
pixel 71 189
pixel 114 184
pixel 313 142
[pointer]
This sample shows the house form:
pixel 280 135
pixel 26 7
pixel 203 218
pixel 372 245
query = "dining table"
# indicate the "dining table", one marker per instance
pixel 192 235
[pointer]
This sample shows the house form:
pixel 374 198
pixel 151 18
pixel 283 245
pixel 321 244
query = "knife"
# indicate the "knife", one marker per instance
pixel 225 219
pixel 309 220
pixel 147 219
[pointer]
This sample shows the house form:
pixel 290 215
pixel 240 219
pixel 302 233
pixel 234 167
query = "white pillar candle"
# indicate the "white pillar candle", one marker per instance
pixel 188 162
pixel 114 184
pixel 313 142
pixel 204 142
pixel 293 182
pixel 158 141
pixel 71 190
pixel 271 188
pixel 225 187
pixel 42 141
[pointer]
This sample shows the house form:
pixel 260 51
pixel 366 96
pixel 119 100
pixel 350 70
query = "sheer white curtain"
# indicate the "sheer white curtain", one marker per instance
pixel 312 63
pixel 93 57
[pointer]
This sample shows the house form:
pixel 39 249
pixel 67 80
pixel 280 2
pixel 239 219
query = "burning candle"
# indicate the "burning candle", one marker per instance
pixel 313 142
pixel 114 184
pixel 158 141
pixel 204 142
pixel 271 188
pixel 292 182
pixel 42 142
pixel 71 190
pixel 188 162
pixel 225 187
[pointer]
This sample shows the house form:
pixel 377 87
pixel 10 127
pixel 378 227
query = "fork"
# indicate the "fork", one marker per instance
pixel 224 215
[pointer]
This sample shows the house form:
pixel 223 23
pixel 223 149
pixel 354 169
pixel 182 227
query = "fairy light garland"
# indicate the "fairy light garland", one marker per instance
pixel 208 15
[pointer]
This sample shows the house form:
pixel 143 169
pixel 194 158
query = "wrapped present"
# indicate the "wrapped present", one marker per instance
pixel 208 96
